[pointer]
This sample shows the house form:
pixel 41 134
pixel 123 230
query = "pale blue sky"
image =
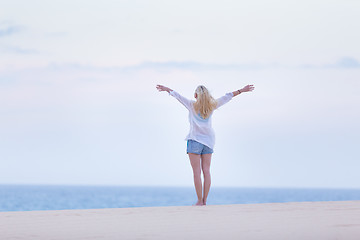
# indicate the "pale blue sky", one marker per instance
pixel 78 103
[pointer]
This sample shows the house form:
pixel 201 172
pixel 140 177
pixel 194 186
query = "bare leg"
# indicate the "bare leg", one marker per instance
pixel 195 164
pixel 205 165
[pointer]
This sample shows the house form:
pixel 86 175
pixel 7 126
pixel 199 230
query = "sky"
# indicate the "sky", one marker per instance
pixel 78 103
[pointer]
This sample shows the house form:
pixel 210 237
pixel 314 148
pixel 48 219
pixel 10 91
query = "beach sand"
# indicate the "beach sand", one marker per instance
pixel 305 221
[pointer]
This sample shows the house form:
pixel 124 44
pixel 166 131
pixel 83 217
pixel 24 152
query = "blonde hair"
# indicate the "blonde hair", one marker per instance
pixel 205 103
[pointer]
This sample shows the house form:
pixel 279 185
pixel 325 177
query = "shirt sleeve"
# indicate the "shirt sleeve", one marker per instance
pixel 224 99
pixel 184 101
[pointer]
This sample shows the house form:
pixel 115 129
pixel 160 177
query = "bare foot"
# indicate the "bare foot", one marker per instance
pixel 204 202
pixel 199 203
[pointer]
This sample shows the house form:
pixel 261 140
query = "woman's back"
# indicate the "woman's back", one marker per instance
pixel 201 127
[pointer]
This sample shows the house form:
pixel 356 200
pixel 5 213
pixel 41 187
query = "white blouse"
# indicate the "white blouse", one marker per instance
pixel 200 128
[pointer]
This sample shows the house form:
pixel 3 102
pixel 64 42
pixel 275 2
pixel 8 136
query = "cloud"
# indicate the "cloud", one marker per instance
pixel 17 50
pixel 348 62
pixel 167 66
pixel 9 29
pixel 198 66
pixel 164 66
pixel 345 62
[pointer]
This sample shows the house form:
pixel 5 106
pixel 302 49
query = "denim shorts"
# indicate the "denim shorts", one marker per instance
pixel 197 148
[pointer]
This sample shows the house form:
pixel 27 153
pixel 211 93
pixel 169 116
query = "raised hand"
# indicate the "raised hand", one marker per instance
pixel 163 88
pixel 247 88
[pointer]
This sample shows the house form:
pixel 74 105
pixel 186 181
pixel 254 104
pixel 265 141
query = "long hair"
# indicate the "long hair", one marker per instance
pixel 205 103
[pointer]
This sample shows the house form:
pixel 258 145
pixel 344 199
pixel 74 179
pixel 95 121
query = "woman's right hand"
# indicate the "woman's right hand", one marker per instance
pixel 247 88
pixel 163 88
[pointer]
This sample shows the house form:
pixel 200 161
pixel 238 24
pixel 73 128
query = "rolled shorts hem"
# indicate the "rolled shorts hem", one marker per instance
pixel 197 148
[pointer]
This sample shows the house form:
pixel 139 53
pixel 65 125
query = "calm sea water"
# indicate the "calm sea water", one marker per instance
pixel 27 198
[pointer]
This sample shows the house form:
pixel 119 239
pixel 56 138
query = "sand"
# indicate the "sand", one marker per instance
pixel 306 221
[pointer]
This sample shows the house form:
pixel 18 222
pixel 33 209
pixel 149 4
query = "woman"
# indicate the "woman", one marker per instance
pixel 201 138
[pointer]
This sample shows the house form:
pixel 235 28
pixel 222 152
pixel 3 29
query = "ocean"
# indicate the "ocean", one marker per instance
pixel 30 198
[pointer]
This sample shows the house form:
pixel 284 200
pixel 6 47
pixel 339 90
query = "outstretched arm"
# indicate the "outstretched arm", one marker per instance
pixel 247 88
pixel 184 101
pixel 227 97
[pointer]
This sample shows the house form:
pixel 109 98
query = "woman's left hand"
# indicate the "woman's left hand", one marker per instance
pixel 247 88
